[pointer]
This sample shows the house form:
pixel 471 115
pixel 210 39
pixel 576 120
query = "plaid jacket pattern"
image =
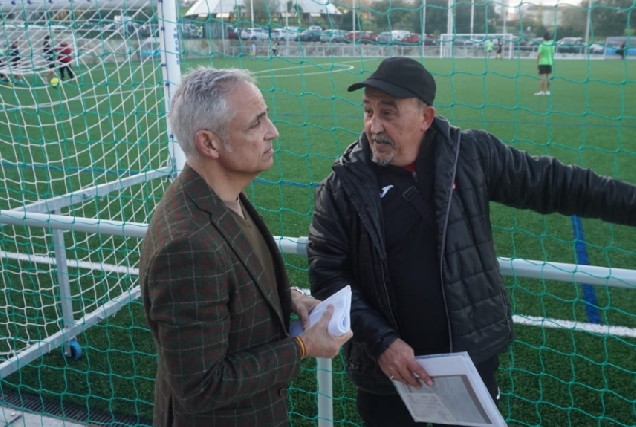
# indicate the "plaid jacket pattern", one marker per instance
pixel 225 358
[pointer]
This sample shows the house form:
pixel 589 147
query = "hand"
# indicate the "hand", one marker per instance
pixel 398 363
pixel 319 342
pixel 302 305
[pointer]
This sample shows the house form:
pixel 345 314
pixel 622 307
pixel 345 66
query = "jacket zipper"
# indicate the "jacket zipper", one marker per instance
pixel 441 258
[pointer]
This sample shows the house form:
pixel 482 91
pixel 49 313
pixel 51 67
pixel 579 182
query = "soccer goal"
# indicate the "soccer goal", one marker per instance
pixel 475 45
pixel 82 164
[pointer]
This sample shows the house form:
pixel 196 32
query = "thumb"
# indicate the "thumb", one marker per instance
pixel 326 316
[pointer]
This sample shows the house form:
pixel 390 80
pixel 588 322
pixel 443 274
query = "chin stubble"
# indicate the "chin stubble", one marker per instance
pixel 382 139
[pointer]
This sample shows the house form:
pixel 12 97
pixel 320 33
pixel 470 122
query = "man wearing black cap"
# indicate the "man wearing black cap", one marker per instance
pixel 404 219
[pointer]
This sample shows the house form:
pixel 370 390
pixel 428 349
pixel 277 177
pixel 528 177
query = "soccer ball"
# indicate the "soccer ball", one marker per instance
pixel 55 82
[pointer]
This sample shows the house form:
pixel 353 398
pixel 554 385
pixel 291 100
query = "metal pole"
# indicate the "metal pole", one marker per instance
pixel 325 392
pixel 286 29
pixel 353 18
pixel 66 302
pixel 424 19
pixel 587 24
pixel 505 15
pixel 472 18
pixel 251 11
pixel 449 24
pixel 222 26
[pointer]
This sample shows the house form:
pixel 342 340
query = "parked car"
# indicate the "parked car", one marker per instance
pixel 364 37
pixel 570 45
pixel 232 33
pixel 333 36
pixel 309 36
pixel 415 39
pixel 596 48
pixel 254 34
pixel 392 37
pixel 283 34
pixel 190 30
pixel 530 45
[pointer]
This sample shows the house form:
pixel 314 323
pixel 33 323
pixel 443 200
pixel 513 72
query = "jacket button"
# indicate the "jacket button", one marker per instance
pixel 282 392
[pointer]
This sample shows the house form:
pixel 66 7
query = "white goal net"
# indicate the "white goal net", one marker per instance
pixel 85 150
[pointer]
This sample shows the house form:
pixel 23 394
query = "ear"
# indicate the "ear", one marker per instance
pixel 428 114
pixel 208 144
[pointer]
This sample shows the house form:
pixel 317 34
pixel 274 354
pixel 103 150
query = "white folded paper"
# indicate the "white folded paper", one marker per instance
pixel 340 322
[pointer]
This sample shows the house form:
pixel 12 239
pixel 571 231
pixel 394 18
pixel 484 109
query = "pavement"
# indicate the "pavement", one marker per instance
pixel 10 417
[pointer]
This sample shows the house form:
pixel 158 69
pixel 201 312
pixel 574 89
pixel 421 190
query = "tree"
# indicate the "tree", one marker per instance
pixel 484 14
pixel 609 17
pixel 264 10
pixel 296 10
pixel 392 15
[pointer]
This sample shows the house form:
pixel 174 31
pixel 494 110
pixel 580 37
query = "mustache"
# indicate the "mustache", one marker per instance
pixel 382 139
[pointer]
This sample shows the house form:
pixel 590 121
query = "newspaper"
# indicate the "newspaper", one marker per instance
pixel 458 395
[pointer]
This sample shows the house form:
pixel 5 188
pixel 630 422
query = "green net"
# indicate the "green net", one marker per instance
pixel 95 150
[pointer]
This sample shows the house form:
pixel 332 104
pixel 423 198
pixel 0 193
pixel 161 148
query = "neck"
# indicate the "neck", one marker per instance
pixel 225 184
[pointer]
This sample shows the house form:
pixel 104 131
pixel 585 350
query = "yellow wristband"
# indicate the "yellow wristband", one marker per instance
pixel 301 344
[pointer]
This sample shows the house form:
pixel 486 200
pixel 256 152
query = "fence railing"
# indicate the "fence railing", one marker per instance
pixel 601 276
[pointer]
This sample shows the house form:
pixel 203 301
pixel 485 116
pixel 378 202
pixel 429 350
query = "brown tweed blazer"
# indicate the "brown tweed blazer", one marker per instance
pixel 225 358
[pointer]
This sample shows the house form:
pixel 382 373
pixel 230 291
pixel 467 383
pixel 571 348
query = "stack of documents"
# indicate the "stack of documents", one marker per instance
pixel 458 396
pixel 340 322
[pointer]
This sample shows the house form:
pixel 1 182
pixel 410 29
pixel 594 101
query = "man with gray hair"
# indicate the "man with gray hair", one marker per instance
pixel 215 292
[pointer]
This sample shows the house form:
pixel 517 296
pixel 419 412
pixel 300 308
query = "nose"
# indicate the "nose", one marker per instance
pixel 272 132
pixel 375 125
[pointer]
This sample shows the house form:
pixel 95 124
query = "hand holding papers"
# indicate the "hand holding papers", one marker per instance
pixel 340 322
pixel 458 395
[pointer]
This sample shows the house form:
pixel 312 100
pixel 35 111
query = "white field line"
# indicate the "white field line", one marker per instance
pixel 545 322
pixel 593 328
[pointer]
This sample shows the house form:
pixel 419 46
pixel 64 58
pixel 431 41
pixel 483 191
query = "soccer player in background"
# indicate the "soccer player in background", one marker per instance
pixel 14 53
pixel 545 61
pixel 49 56
pixel 65 52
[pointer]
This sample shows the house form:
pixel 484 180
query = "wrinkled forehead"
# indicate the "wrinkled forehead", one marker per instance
pixel 372 95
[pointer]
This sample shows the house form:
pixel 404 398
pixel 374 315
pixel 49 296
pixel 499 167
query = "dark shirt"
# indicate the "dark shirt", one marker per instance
pixel 412 251
pixel 260 248
pixel 14 53
pixel 46 49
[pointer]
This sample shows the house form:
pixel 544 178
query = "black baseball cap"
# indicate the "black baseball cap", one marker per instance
pixel 401 78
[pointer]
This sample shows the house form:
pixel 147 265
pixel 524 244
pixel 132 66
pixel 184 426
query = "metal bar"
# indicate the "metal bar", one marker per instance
pixel 325 392
pixel 61 269
pixel 49 344
pixel 85 225
pixel 562 272
pixel 79 196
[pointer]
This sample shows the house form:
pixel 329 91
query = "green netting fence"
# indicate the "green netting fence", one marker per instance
pixel 86 160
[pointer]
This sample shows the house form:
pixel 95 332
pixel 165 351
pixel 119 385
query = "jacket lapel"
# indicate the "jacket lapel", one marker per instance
pixel 221 218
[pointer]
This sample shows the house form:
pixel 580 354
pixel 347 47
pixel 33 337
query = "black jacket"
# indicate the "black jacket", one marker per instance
pixel 472 168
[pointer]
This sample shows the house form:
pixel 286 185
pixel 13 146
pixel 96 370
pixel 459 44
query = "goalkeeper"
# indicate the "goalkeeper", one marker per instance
pixel 404 219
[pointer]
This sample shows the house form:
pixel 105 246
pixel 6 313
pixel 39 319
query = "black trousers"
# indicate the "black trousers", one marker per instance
pixel 66 68
pixel 389 411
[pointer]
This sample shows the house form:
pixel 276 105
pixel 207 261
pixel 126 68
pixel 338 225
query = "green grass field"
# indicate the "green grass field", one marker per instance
pixel 111 123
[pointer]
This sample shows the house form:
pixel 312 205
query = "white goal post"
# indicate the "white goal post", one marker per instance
pixel 475 45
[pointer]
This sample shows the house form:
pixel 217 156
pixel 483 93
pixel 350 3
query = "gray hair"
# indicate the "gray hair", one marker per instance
pixel 201 103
